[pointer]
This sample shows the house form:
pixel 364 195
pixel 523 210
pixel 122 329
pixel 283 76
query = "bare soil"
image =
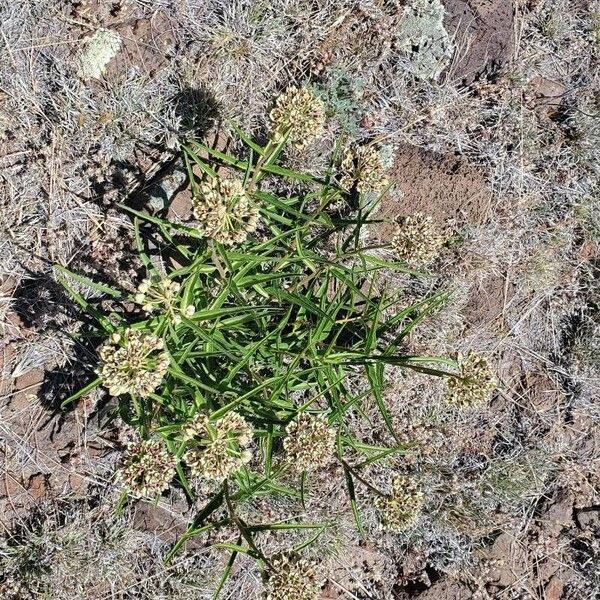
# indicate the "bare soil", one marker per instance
pixel 484 32
pixel 445 187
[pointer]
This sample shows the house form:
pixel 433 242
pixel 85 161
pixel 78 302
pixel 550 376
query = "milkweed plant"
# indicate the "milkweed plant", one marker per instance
pixel 235 368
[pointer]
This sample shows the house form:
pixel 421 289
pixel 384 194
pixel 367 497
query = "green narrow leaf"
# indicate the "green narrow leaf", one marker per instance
pixel 164 225
pixel 246 139
pixel 283 172
pixel 180 472
pixel 353 503
pixel 82 392
pixel 101 287
pixel 87 307
pixel 380 456
pixel 284 526
pixel 195 527
pixel 191 174
pixel 227 570
pixel 204 166
pixel 311 540
pixel 140 246
pixel 121 503
pixel 236 548
pixel 268 451
pixel 225 158
pixel 302 489
pixel 375 377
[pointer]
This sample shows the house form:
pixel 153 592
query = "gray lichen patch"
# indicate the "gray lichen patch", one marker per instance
pixel 98 50
pixel 423 37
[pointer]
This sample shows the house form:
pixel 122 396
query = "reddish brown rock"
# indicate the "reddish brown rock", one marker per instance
pixel 443 186
pixel 484 35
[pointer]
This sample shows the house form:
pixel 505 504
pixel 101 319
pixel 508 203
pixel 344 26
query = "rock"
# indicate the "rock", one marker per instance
pixel 159 195
pixel 38 485
pixel 423 37
pixel 98 50
pixel 447 590
pixel 484 34
pixel 560 513
pixel 508 561
pixel 589 519
pixel 554 589
pixel 163 523
pixel 547 95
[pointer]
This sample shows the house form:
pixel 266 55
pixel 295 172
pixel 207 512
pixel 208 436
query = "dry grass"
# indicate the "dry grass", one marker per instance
pixel 73 550
pixel 533 130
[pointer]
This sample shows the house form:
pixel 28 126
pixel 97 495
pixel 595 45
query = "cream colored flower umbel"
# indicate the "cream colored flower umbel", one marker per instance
pixel 309 442
pixel 299 115
pixel 224 211
pixel 217 448
pixel 132 362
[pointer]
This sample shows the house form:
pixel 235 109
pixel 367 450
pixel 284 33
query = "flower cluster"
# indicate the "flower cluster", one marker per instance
pixel 361 166
pixel 162 295
pixel 401 508
pixel 309 442
pixel 217 447
pixel 132 362
pixel 417 240
pixel 147 468
pixel 475 383
pixel 292 578
pixel 224 211
pixel 298 114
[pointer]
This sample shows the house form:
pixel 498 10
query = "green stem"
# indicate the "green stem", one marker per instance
pixel 361 479
pixel 243 528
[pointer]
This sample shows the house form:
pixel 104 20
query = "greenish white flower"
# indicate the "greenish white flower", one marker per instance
pixel 297 114
pixel 417 240
pixel 361 166
pixel 224 211
pixel 309 442
pixel 401 508
pixel 147 468
pixel 474 384
pixel 217 448
pixel 162 295
pixel 132 362
pixel 292 578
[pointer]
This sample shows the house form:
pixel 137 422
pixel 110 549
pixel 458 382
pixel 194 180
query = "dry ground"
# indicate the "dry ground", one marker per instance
pixel 502 137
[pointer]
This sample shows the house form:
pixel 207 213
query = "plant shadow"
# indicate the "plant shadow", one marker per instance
pixel 44 308
pixel 137 181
